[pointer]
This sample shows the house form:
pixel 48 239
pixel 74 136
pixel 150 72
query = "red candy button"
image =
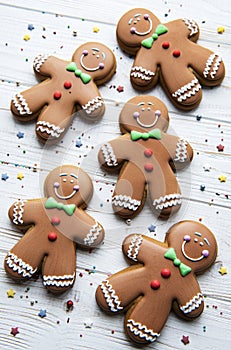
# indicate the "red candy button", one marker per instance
pixel 57 95
pixel 52 236
pixel 67 84
pixel 165 45
pixel 155 284
pixel 148 152
pixel 176 53
pixel 165 273
pixel 148 167
pixel 55 220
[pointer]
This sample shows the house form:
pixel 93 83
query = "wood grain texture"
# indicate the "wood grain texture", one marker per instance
pixel 87 327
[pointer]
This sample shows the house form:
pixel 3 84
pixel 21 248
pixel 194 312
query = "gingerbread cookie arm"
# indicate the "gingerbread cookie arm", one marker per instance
pixel 115 293
pixel 46 65
pixel 180 151
pixel 210 68
pixel 90 232
pixel 25 212
pixel 144 72
pixel 136 247
pixel 190 301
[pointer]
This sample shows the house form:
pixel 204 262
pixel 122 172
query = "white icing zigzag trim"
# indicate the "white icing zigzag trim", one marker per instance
pixel 111 298
pixel 212 66
pixel 38 61
pixel 142 331
pixel 109 155
pixel 193 304
pixel 58 281
pixel 192 26
pixel 93 234
pixel 187 90
pixel 126 202
pixel 169 200
pixel 181 151
pixel 19 266
pixel 50 129
pixel 134 247
pixel 18 212
pixel 21 105
pixel 142 73
pixel 92 105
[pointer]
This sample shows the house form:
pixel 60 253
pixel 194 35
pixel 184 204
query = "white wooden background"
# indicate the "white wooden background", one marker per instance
pixel 59 27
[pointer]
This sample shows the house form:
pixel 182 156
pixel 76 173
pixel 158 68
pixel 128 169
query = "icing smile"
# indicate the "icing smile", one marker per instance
pixel 204 253
pixel 136 115
pixel 57 185
pixel 96 54
pixel 136 20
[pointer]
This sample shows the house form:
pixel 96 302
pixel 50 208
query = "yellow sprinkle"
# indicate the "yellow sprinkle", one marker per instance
pixel 20 176
pixel 220 30
pixel 26 37
pixel 95 29
pixel 222 178
pixel 10 293
pixel 223 270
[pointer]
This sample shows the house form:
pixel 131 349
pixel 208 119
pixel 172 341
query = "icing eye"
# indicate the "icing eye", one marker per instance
pixel 205 253
pixel 56 184
pixel 187 238
pixel 149 108
pixel 133 30
pixel 76 188
pixel 201 244
pixel 71 181
pixel 101 66
pixel 85 52
pixel 136 115
pixel 142 109
pixel 64 180
pixel 157 113
pixel 195 240
pixel 146 16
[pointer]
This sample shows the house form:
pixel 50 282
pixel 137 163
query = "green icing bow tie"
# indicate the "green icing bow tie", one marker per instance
pixel 68 208
pixel 184 269
pixel 160 29
pixel 71 67
pixel 154 134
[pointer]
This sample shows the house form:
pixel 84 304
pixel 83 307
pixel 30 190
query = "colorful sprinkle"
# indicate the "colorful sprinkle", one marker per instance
pixel 222 178
pixel 20 135
pixel 5 177
pixel 95 29
pixel 20 176
pixel 185 339
pixel 26 37
pixel 220 148
pixel 220 30
pixel 14 331
pixel 42 313
pixel 10 293
pixel 222 270
pixel 152 228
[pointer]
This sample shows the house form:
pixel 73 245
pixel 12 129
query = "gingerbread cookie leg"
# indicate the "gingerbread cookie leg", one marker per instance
pixel 164 192
pixel 19 263
pixel 129 195
pixel 114 294
pixel 59 274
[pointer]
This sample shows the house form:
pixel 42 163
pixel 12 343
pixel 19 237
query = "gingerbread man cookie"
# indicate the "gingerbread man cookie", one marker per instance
pixel 163 276
pixel 53 225
pixel 147 158
pixel 65 85
pixel 169 53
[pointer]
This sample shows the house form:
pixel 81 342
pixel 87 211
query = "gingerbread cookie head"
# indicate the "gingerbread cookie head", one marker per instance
pixel 69 184
pixel 95 59
pixel 168 53
pixel 143 113
pixel 194 244
pixel 162 277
